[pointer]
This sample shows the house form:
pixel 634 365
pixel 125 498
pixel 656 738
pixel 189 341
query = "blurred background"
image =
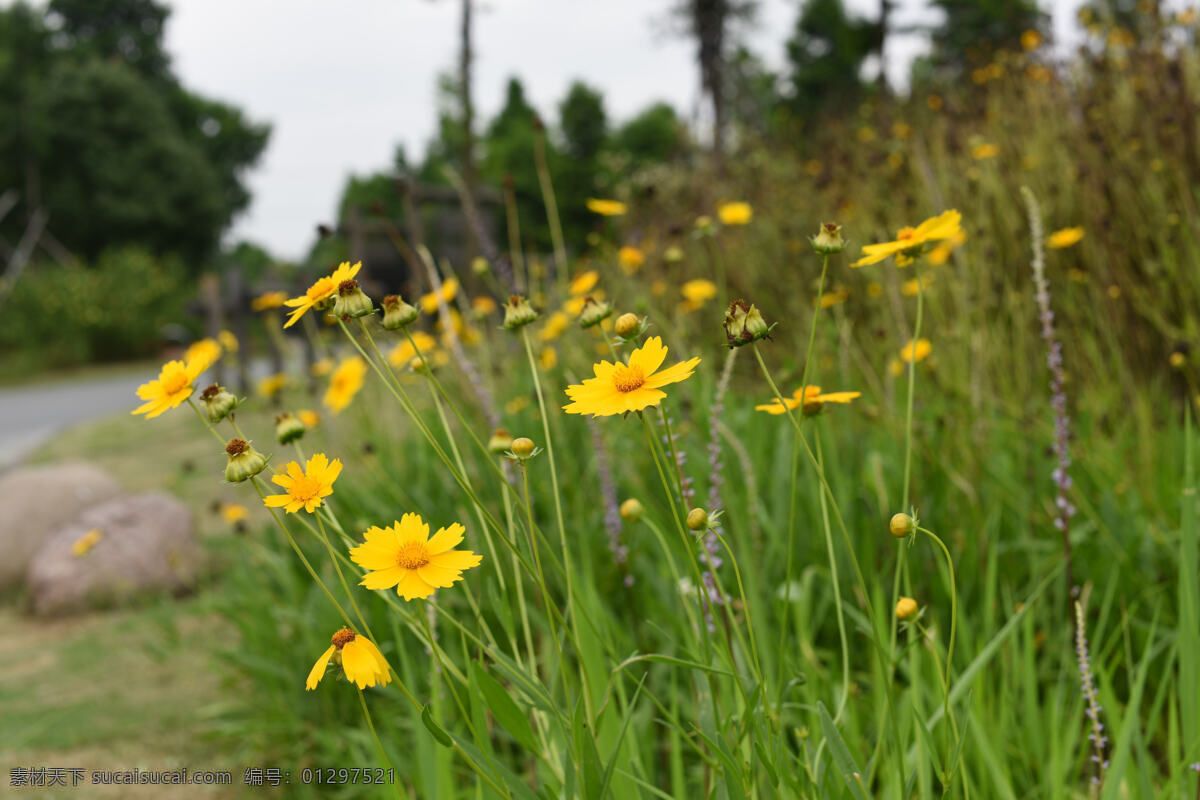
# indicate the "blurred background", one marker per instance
pixel 169 171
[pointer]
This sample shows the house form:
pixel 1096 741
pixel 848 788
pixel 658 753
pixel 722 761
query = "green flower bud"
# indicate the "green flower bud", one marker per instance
pixel 594 311
pixel 518 313
pixel 829 240
pixel 218 402
pixel 244 461
pixel 397 313
pixel 352 301
pixel 289 428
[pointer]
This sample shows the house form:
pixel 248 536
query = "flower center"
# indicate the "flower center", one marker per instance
pixel 412 555
pixel 905 234
pixel 342 638
pixel 628 378
pixel 175 382
pixel 305 488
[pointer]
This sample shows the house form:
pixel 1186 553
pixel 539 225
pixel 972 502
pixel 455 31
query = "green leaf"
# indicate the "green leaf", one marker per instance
pixel 427 719
pixel 505 710
pixel 841 754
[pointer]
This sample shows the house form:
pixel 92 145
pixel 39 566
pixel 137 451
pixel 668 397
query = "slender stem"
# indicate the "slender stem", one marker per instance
pixel 342 578
pixel 837 596
pixel 382 753
pixel 953 628
pixel 207 424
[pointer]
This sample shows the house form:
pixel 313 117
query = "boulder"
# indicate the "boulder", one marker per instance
pixel 34 502
pixel 128 546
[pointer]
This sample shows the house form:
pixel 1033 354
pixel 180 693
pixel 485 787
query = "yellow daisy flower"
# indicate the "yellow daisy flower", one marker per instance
pixel 268 300
pixel 320 293
pixel 403 354
pixel 909 240
pixel 981 152
pixel 630 259
pixel 920 351
pixel 1064 238
pixel 620 388
pixel 584 282
pixel 204 352
pixel 405 556
pixel 735 213
pixel 555 325
pixel 272 385
pixel 305 489
pixel 86 542
pixel 233 513
pixel 483 305
pixel 310 418
pixel 548 358
pixel 345 382
pixel 430 302
pixel 697 292
pixel 605 208
pixel 360 660
pixel 940 254
pixel 173 386
pixel 809 399
pixel 228 341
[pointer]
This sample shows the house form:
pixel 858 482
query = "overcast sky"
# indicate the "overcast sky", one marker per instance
pixel 342 83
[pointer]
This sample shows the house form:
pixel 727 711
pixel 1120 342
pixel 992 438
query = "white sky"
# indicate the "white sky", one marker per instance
pixel 343 82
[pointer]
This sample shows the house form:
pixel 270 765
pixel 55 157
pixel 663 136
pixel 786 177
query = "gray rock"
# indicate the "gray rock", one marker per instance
pixel 147 543
pixel 34 502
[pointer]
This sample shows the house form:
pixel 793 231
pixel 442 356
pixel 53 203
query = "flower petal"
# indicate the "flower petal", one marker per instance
pixel 318 670
pixel 456 559
pixel 446 538
pixel 681 371
pixel 649 356
pixel 384 578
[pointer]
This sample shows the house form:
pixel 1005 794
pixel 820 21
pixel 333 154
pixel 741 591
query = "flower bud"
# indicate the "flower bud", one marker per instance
pixel 289 428
pixel 594 311
pixel 906 608
pixel 745 324
pixel 218 402
pixel 697 519
pixel 901 525
pixel 523 447
pixel 352 301
pixel 673 254
pixel 501 441
pixel 829 239
pixel 631 510
pixel 244 461
pixel 397 313
pixel 626 325
pixel 518 313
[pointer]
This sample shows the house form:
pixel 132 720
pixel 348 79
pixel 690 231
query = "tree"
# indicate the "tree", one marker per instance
pixel 825 57
pixel 128 30
pixel 973 29
pixel 584 127
pixel 654 135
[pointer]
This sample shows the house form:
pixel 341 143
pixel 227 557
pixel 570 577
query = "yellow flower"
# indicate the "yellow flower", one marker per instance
pixel 619 388
pixel 696 292
pixel 405 556
pixel 203 352
pixel 631 259
pixel 836 297
pixel 738 213
pixel 310 418
pixel 1114 291
pixel 556 323
pixel 986 150
pixel 272 385
pixel 574 305
pixel 404 353
pixel 321 293
pixel 906 608
pixel 305 489
pixel 658 288
pixel 548 358
pixel 940 254
pixel 584 282
pixel 922 350
pixel 86 542
pixel 233 513
pixel 360 660
pixel 912 287
pixel 430 302
pixel 605 208
pixel 321 368
pixel 909 240
pixel 1177 359
pixel 345 382
pixel 268 300
pixel 896 367
pixel 1064 238
pixel 807 398
pixel 228 341
pixel 1031 39
pixel 483 305
pixel 173 386
pixel 516 405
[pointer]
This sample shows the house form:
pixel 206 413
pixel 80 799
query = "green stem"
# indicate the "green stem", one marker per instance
pixel 382 753
pixel 950 645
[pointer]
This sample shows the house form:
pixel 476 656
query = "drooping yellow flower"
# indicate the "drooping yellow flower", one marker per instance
pixel 739 213
pixel 696 292
pixel 606 208
pixel 86 542
pixel 630 259
pixel 909 240
pixel 405 556
pixel 173 386
pixel 919 352
pixel 584 282
pixel 360 660
pixel 404 354
pixel 1064 238
pixel 272 385
pixel 268 300
pixel 807 398
pixel 431 302
pixel 233 513
pixel 310 418
pixel 619 388
pixel 984 151
pixel 203 352
pixel 321 293
pixel 345 382
pixel 228 341
pixel 305 489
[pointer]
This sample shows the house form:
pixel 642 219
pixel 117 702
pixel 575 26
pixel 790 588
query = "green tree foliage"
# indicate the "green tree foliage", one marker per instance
pixel 654 135
pixel 583 125
pixel 96 130
pixel 973 29
pixel 508 155
pixel 825 59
